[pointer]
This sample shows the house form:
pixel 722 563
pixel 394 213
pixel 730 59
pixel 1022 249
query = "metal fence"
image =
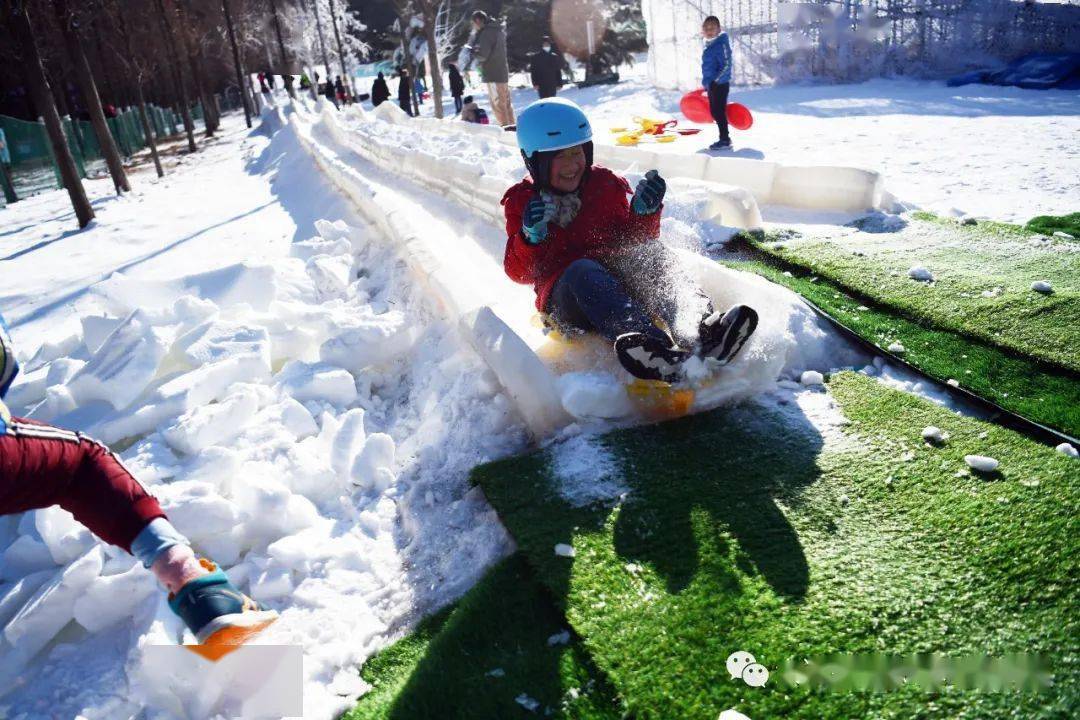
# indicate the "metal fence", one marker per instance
pixel 30 168
pixel 850 40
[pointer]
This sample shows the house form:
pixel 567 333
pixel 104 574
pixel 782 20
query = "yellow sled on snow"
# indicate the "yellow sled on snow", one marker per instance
pixel 654 399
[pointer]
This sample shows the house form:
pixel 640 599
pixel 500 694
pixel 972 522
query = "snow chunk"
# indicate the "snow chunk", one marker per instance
pixel 126 363
pixel 564 550
pixel 1067 449
pixel 114 598
pixel 896 348
pixel 981 463
pixel 330 274
pixel 559 638
pixel 215 424
pixel 593 395
pixel 348 441
pixel 933 434
pixel 52 606
pixel 219 340
pixel 1042 286
pixel 318 381
pixel 24 556
pixel 527 702
pixel 918 272
pixel 66 538
pixel 811 378
pixel 272 583
pixel 378 340
pixel 586 472
pixel 372 469
pixel 196 509
pixel 1063 235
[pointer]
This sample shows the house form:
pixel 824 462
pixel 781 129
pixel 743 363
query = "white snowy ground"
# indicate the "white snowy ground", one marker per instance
pixel 300 411
pixel 303 410
pixel 1001 153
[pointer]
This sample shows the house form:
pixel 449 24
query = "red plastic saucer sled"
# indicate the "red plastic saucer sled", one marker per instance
pixel 695 106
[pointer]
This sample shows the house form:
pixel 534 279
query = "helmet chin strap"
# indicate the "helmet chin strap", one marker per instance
pixel 539 167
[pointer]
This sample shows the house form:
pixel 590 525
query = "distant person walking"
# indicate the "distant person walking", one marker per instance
pixel 339 90
pixel 545 69
pixel 380 92
pixel 457 87
pixel 489 51
pixel 404 92
pixel 263 88
pixel 716 76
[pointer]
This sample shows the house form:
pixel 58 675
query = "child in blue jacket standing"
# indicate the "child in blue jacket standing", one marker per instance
pixel 716 76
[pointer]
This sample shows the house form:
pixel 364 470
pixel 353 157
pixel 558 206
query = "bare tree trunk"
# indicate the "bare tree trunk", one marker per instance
pixel 210 118
pixel 149 133
pixel 178 77
pixel 431 8
pixel 340 51
pixel 236 62
pixel 40 93
pixel 110 88
pixel 90 96
pixel 286 70
pixel 322 43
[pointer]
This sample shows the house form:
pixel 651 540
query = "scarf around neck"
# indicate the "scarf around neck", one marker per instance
pixel 567 205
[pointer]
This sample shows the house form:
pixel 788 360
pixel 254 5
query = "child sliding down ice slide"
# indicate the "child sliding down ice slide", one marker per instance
pixel 595 259
pixel 41 465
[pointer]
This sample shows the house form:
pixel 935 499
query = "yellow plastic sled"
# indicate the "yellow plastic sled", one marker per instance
pixel 654 399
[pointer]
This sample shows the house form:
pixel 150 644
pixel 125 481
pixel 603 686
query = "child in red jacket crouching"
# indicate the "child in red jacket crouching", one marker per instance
pixel 594 256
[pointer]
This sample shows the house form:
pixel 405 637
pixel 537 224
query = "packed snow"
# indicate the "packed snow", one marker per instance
pixel 932 434
pixel 981 463
pixel 270 360
pixel 331 484
pixel 1068 450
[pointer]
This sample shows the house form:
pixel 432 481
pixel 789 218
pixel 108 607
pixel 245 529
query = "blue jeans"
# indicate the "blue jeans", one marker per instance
pixel 625 292
pixel 588 297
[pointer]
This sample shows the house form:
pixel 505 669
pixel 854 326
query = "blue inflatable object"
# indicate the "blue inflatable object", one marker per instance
pixel 552 124
pixel 1036 72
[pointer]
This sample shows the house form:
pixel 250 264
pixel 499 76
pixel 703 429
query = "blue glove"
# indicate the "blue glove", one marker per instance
pixel 649 194
pixel 534 225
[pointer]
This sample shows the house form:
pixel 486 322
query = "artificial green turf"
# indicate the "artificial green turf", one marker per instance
pixel 444 668
pixel 744 529
pixel 966 262
pixel 1037 391
pixel 1049 224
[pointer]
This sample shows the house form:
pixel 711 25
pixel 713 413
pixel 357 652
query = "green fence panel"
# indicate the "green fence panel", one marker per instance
pixel 90 145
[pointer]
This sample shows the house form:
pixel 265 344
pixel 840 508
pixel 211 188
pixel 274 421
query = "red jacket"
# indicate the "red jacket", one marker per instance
pixel 603 225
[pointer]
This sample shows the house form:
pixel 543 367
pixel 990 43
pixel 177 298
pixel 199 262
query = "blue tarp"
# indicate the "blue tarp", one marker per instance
pixel 1037 72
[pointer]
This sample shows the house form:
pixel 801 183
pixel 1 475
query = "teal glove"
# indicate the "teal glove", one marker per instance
pixel 649 194
pixel 534 225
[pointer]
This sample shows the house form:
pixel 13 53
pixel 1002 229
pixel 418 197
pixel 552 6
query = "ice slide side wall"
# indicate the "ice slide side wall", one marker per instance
pixel 809 187
pixel 529 383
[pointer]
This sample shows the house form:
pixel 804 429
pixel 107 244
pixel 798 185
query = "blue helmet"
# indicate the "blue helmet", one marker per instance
pixel 547 126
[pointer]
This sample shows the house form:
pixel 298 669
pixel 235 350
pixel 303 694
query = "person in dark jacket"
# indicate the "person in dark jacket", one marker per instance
pixel 380 93
pixel 339 89
pixel 404 92
pixel 545 68
pixel 457 87
pixel 330 93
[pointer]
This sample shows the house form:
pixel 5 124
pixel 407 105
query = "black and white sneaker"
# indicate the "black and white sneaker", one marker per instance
pixel 720 145
pixel 721 337
pixel 647 358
